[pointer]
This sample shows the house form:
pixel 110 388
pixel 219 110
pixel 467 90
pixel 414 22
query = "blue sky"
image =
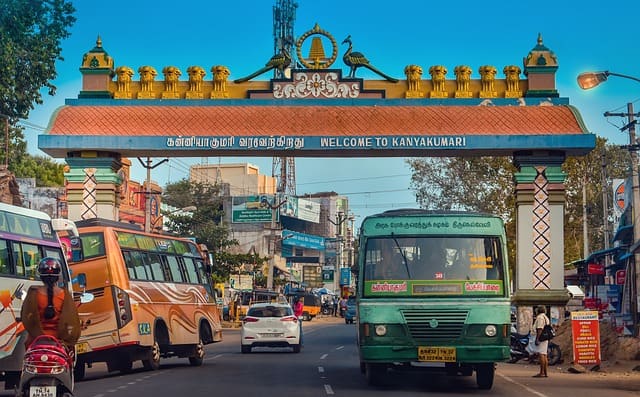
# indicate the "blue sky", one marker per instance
pixel 585 36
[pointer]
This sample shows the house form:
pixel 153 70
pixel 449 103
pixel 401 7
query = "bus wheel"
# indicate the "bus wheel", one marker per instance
pixel 376 374
pixel 198 357
pixel 79 370
pixel 153 362
pixel 484 375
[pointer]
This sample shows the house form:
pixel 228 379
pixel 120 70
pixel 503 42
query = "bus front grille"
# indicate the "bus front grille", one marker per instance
pixel 435 324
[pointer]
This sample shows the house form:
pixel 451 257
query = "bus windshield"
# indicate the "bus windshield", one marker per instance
pixel 433 265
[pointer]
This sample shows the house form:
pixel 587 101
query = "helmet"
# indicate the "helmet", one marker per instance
pixel 49 267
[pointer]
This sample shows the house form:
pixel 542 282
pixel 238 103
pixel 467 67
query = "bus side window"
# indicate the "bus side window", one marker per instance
pixel 174 269
pixel 156 267
pixel 5 260
pixel 19 260
pixel 32 256
pixel 129 263
pixel 139 265
pixel 190 268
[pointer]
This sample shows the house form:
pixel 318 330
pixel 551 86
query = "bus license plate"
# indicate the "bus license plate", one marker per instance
pixel 82 347
pixel 437 354
pixel 42 391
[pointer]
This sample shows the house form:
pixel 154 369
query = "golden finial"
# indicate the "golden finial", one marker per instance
pixel 539 38
pixel 316 53
pixel 99 42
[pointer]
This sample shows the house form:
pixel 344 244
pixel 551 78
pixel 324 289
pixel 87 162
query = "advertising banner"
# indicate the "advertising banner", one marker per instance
pixel 585 329
pixel 345 276
pixel 302 209
pixel 251 209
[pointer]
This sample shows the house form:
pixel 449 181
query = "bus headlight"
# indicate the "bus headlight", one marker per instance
pixel 381 330
pixel 490 330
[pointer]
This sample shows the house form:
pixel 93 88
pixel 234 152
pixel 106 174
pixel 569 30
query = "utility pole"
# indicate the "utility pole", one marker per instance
pixel 147 193
pixel 272 240
pixel 605 205
pixel 635 183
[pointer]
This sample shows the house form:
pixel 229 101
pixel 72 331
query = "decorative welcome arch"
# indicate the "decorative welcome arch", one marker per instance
pixel 316 112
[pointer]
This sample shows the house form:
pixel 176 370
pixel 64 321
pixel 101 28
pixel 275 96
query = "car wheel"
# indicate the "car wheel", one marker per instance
pixel 296 348
pixel 245 349
pixel 484 375
pixel 198 358
pixel 152 363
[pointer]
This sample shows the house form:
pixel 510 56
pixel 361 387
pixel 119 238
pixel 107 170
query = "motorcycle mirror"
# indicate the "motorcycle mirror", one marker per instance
pixel 86 297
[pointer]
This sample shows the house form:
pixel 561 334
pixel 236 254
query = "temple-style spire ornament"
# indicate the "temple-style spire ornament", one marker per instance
pixel 540 67
pixel 97 71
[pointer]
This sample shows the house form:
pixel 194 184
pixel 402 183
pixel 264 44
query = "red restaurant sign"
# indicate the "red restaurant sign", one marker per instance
pixel 595 268
pixel 585 330
pixel 620 276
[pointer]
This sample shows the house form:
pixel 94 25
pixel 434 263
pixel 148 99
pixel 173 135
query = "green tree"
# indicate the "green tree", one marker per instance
pixel 207 226
pixel 486 184
pixel 587 172
pixel 483 184
pixel 31 33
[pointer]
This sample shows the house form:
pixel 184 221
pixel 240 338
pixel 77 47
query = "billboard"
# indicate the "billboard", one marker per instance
pixel 302 209
pixel 251 209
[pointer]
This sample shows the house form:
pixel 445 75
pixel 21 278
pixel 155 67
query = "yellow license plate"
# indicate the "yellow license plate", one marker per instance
pixel 437 354
pixel 82 347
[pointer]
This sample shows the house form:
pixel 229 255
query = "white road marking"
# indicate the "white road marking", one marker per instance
pixel 339 347
pixel 328 389
pixel 321 369
pixel 323 356
pixel 527 388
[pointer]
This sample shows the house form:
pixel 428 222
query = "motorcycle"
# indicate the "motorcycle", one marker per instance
pixel 327 308
pixel 519 351
pixel 46 370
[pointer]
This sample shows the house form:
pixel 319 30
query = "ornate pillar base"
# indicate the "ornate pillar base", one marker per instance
pixel 93 185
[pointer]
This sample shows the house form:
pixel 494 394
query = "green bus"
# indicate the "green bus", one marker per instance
pixel 433 294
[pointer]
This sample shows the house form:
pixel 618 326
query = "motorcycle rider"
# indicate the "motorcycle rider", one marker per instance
pixel 49 309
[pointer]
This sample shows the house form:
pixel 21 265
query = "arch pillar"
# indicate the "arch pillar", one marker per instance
pixel 540 201
pixel 93 185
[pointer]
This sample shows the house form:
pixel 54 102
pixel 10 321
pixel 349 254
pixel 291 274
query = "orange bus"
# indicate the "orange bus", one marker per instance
pixel 153 297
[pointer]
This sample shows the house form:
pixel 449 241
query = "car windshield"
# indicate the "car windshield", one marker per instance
pixel 270 311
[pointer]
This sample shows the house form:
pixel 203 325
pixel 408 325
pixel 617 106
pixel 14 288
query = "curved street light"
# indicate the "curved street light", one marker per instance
pixel 590 80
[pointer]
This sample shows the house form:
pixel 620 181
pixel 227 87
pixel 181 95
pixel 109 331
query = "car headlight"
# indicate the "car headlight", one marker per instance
pixel 381 330
pixel 490 330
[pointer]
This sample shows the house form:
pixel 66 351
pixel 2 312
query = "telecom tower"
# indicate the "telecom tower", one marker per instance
pixel 284 14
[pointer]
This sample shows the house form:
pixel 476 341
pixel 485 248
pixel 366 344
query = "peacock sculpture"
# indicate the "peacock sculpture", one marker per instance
pixel 279 61
pixel 356 59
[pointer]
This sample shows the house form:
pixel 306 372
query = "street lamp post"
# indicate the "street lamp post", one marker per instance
pixel 590 80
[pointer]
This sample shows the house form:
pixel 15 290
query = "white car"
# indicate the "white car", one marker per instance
pixel 270 325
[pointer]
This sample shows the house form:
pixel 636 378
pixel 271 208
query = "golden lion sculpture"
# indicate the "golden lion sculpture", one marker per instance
pixel 487 77
pixel 438 73
pixel 196 76
pixel 147 77
pixel 512 73
pixel 463 77
pixel 414 77
pixel 123 82
pixel 171 77
pixel 220 75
